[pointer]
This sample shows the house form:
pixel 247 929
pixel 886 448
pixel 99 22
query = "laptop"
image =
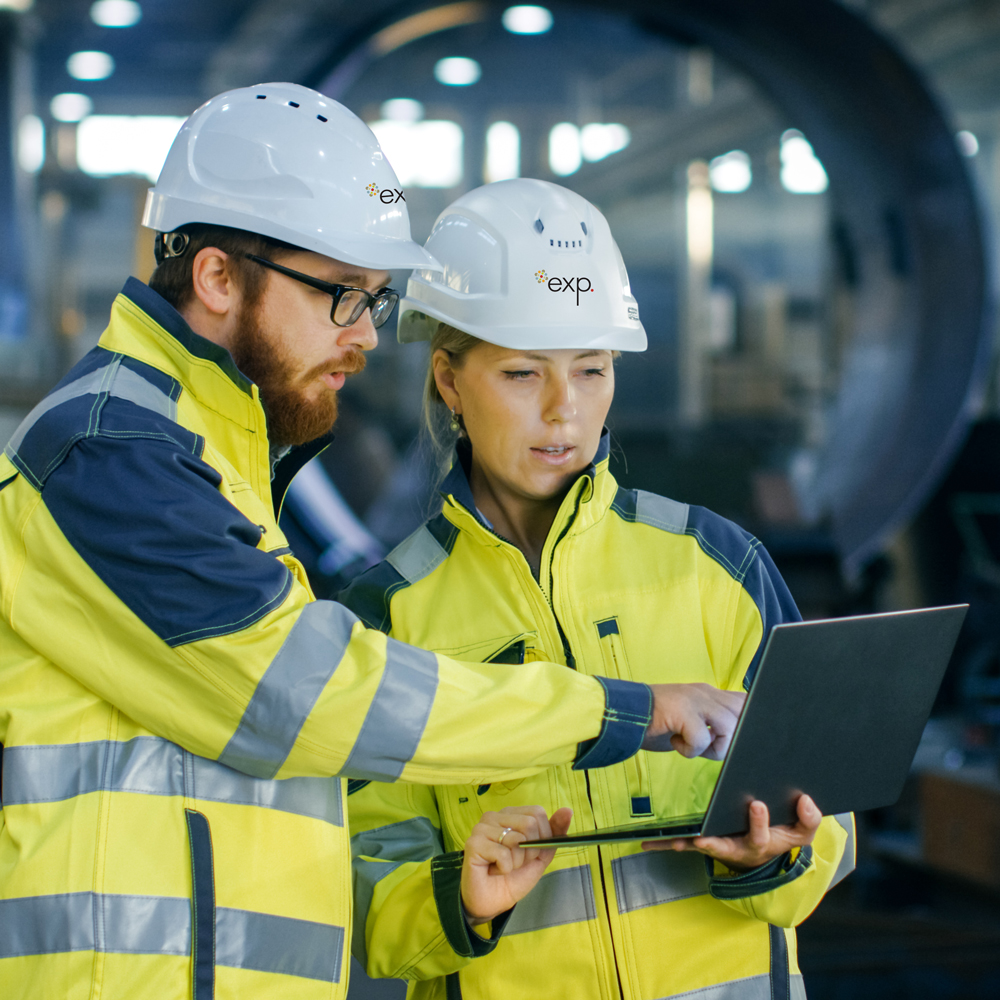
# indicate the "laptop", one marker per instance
pixel 836 710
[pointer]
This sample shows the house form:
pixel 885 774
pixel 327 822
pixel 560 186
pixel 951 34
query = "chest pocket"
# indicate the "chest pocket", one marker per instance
pixel 241 495
pixel 511 652
pixel 636 768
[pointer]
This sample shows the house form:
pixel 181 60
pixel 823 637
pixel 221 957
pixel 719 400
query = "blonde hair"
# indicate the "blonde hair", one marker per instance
pixel 437 418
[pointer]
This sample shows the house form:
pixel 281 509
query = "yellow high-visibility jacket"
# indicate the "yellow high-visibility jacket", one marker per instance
pixel 175 706
pixel 635 586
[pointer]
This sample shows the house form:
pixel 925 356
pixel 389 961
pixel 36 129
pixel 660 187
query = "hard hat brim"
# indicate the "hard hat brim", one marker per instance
pixel 418 321
pixel 368 250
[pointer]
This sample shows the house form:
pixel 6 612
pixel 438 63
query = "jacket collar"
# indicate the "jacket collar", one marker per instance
pixel 221 403
pixel 456 485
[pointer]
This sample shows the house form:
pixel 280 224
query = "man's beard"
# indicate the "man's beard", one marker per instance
pixel 292 417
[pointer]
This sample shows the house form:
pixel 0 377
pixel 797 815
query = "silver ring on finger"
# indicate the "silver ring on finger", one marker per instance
pixel 506 830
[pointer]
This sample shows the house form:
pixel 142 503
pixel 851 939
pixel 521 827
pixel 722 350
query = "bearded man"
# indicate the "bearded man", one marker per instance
pixel 178 713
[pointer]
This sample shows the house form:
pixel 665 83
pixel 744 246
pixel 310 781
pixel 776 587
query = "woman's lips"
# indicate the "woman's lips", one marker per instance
pixel 334 380
pixel 558 454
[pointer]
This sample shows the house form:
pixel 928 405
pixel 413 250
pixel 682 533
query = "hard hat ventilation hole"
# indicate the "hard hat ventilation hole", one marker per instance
pixel 583 226
pixel 322 119
pixel 262 97
pixel 292 104
pixel 539 225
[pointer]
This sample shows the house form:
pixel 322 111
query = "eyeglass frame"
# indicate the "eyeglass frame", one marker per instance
pixel 334 290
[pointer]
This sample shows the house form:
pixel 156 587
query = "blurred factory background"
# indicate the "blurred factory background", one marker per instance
pixel 807 197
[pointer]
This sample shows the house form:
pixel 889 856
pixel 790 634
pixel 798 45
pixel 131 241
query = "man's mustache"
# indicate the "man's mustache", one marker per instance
pixel 350 363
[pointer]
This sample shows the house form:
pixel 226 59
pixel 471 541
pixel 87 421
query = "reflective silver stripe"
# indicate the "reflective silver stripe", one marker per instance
pixel 751 988
pixel 91 383
pixel 161 925
pixel 655 877
pixel 561 897
pixel 289 688
pixel 397 716
pixel 265 943
pixel 417 556
pixel 847 860
pixel 133 387
pixel 660 512
pixel 87 921
pixel 114 379
pixel 416 839
pixel 148 765
pixel 367 874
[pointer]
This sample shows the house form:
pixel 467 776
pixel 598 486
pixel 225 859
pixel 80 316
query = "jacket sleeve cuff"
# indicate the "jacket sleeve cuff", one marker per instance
pixel 446 881
pixel 628 711
pixel 775 873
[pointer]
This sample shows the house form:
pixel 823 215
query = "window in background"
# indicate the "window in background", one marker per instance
pixel 503 152
pixel 423 153
pixel 125 144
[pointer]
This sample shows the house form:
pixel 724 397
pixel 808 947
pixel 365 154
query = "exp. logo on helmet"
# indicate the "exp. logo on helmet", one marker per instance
pixel 564 284
pixel 388 196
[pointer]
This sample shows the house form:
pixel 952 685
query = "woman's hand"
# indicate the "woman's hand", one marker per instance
pixel 496 873
pixel 756 847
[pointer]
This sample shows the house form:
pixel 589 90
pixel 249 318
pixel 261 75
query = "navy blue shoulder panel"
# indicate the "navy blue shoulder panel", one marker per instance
pixel 737 551
pixel 370 595
pixel 148 518
pixel 105 393
pixel 128 488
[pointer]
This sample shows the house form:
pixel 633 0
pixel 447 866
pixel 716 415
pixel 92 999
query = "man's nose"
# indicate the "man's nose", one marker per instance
pixel 361 334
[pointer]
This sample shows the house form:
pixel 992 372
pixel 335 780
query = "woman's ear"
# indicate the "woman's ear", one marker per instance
pixel 444 377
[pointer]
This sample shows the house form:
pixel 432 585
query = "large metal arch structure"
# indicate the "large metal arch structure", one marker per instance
pixel 906 232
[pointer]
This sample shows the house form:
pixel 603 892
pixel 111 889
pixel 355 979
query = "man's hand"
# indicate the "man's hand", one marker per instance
pixel 756 847
pixel 696 720
pixel 496 873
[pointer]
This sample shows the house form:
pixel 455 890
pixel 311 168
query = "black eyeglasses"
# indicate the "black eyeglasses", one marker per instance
pixel 348 302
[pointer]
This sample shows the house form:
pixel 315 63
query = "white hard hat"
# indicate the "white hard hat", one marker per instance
pixel 284 161
pixel 527 264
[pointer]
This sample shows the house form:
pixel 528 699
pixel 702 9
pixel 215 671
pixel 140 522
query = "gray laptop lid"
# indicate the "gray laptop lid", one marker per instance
pixel 837 711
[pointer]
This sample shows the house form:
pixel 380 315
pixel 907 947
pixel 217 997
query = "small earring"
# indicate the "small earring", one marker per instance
pixel 455 425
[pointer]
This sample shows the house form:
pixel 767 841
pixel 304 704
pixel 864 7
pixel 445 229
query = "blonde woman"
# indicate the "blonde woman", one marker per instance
pixel 539 554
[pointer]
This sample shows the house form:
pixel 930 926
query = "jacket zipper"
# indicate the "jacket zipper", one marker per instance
pixel 571 663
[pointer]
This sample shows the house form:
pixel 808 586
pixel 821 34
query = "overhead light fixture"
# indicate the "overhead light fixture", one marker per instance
pixel 18 5
pixel 89 65
pixel 968 144
pixel 527 20
pixel 402 109
pixel 115 13
pixel 457 71
pixel 731 173
pixel 801 171
pixel 70 107
pixel 31 144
